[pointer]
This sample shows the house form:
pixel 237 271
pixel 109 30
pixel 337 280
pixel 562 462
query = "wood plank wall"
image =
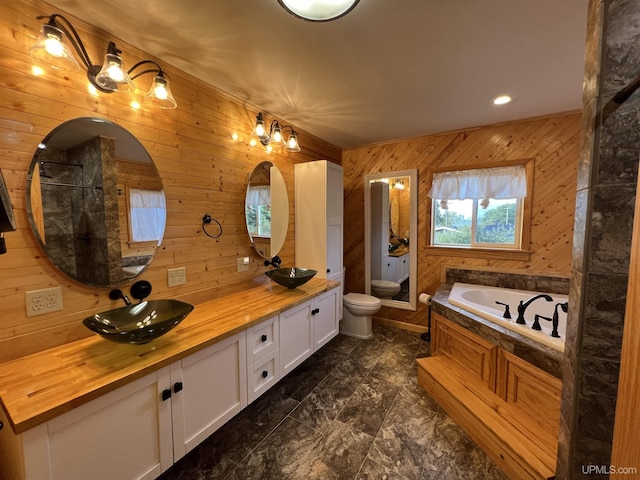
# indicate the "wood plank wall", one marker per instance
pixel 202 169
pixel 552 141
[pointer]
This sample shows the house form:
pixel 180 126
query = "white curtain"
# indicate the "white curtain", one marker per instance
pixel 484 183
pixel 148 215
pixel 259 195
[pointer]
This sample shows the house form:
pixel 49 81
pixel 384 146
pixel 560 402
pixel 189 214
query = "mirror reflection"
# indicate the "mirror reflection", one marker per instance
pixel 390 235
pixel 267 210
pixel 95 202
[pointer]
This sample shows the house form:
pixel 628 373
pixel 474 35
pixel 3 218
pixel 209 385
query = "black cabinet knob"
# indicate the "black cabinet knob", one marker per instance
pixel 177 387
pixel 1 425
pixel 263 338
pixel 328 270
pixel 166 394
pixel 315 311
pixel 265 374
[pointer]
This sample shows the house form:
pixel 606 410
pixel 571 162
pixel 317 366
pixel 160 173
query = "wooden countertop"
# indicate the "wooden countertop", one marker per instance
pixel 41 386
pixel 399 252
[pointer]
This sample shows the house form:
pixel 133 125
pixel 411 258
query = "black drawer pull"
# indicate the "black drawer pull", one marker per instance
pixel 166 394
pixel 265 374
pixel 177 387
pixel 263 338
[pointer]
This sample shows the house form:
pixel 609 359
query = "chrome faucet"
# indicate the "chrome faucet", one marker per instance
pixel 523 306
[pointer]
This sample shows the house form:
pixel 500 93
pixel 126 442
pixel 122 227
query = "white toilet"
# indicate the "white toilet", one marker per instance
pixel 356 315
pixel 384 288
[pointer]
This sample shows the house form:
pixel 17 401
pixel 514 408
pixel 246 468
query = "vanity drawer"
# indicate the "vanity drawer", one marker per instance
pixel 262 339
pixel 263 375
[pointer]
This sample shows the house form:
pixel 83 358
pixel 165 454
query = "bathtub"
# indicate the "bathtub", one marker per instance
pixel 481 300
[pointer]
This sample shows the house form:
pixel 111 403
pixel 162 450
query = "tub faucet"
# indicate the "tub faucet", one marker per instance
pixel 523 306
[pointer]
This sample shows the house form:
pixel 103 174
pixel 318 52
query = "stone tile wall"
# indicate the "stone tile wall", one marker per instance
pixel 607 178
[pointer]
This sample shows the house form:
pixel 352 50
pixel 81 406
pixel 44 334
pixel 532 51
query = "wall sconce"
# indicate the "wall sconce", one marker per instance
pixel 52 48
pixel 275 135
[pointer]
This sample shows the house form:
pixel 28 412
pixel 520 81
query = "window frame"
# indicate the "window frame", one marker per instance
pixel 480 250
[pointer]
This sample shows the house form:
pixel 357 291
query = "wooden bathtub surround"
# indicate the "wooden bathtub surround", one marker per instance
pixel 510 408
pixel 41 386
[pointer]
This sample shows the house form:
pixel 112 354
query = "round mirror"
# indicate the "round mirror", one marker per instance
pixel 267 209
pixel 95 202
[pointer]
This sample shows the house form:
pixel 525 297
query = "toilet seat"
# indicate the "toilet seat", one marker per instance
pixel 361 300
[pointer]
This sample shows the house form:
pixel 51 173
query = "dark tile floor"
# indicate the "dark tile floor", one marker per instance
pixel 353 410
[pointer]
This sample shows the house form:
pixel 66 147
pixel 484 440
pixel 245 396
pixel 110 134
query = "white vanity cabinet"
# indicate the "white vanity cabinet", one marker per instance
pixel 124 434
pixel 208 388
pixel 319 218
pixel 306 328
pixel 139 430
pixel 396 268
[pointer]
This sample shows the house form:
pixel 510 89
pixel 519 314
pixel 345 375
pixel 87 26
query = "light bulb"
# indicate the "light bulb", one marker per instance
pixel 54 46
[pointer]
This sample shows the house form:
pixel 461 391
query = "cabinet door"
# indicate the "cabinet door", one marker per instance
pixel 389 268
pixel 325 317
pixel 123 435
pixel 334 250
pixel 296 337
pixel 211 388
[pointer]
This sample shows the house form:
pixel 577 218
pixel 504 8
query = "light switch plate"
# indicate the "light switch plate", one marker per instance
pixel 243 264
pixel 39 302
pixel 176 276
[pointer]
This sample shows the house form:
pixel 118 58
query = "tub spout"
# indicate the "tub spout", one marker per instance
pixel 523 306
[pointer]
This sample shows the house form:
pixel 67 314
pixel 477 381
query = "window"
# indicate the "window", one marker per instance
pixel 147 215
pixel 474 223
pixel 481 208
pixel 259 220
pixel 258 211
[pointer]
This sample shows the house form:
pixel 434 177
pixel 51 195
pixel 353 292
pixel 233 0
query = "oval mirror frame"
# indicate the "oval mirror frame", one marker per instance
pixel 95 202
pixel 266 209
pixel 412 179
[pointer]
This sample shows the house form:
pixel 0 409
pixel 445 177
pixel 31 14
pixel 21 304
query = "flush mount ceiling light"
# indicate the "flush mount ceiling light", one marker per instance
pixel 318 10
pixel 502 100
pixel 275 135
pixel 52 48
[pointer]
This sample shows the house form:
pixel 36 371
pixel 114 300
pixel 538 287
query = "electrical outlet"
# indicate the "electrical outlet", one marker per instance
pixel 39 302
pixel 243 264
pixel 176 276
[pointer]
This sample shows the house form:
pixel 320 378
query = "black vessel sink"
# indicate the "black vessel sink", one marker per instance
pixel 291 277
pixel 139 323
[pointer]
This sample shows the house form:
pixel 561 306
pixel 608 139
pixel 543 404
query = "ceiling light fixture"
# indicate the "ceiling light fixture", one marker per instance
pixel 275 135
pixel 502 100
pixel 318 10
pixel 52 48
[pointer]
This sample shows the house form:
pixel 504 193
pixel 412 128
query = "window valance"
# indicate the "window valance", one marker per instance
pixel 259 195
pixel 482 183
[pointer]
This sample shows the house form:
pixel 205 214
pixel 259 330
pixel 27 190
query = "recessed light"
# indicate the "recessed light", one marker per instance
pixel 502 100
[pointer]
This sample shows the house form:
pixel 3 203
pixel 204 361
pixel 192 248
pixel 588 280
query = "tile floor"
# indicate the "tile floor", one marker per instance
pixel 353 410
